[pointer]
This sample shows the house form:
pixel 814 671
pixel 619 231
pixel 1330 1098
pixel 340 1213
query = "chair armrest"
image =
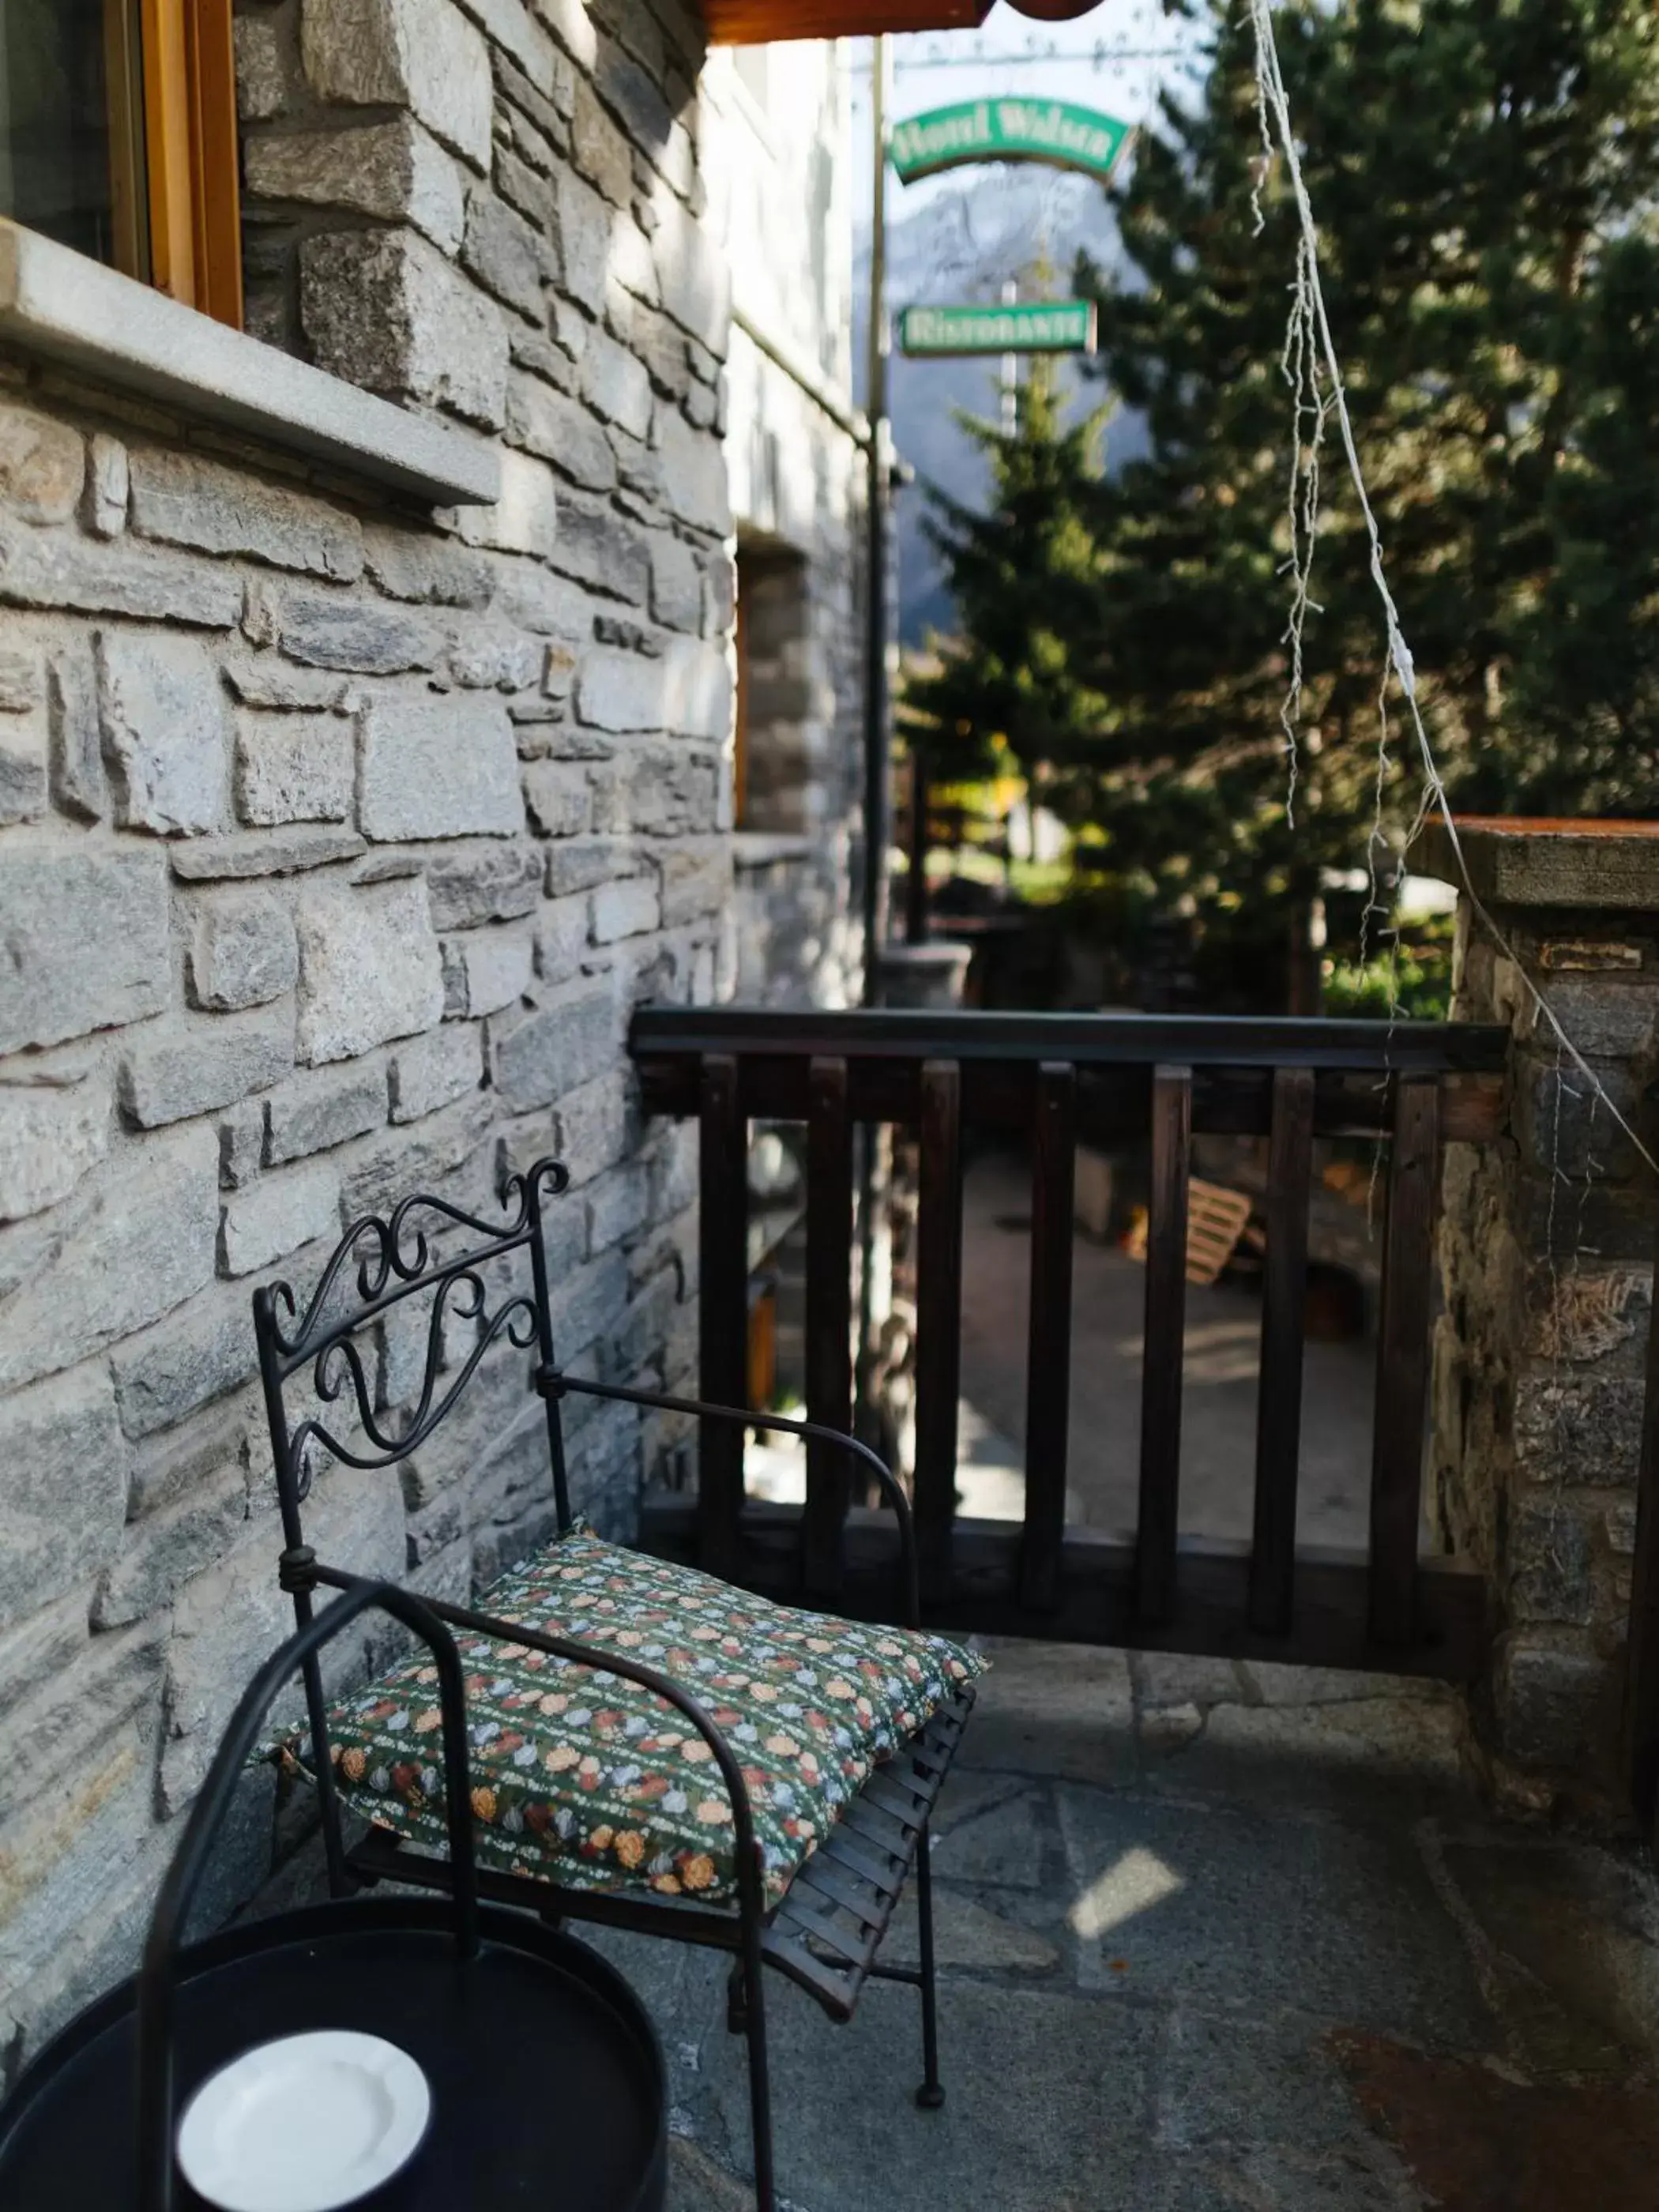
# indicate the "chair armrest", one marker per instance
pixel 553 1383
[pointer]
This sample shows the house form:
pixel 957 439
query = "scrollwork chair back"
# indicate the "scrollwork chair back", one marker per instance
pixel 427 1249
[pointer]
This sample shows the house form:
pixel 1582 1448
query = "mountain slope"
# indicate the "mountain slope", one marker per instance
pixel 963 244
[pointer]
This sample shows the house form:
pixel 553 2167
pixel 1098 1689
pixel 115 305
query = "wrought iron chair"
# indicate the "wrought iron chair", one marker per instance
pixel 826 1931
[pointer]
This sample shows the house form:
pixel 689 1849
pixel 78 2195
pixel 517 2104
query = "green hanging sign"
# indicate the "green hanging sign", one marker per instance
pixel 1046 131
pixel 1027 326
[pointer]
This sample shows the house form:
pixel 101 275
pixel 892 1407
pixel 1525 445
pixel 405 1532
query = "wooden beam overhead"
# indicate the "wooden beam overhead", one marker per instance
pixel 762 22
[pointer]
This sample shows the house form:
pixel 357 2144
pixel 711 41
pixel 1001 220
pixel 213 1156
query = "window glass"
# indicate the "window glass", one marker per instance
pixel 57 158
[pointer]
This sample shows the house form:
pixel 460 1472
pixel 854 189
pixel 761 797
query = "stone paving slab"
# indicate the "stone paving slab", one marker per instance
pixel 1475 2138
pixel 1074 1724
pixel 1293 1966
pixel 1279 2179
pixel 1267 1684
pixel 1242 1908
pixel 1045 2098
pixel 1569 1936
pixel 1227 2084
pixel 1003 1840
pixel 984 1933
pixel 1331 1755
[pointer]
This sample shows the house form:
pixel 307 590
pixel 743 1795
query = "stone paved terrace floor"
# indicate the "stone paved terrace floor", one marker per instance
pixel 1214 1939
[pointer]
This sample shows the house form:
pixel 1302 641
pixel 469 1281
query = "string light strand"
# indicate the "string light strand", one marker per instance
pixel 1272 101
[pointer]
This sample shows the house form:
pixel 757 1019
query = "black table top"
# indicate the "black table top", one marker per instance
pixel 546 2077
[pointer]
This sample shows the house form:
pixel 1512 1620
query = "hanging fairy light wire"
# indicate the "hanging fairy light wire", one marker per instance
pixel 1310 332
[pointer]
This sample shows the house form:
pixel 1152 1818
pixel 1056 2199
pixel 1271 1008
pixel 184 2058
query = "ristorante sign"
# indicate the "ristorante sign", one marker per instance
pixel 1031 326
pixel 1051 131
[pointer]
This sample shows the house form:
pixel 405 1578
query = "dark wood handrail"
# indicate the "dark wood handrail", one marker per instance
pixel 1086 1040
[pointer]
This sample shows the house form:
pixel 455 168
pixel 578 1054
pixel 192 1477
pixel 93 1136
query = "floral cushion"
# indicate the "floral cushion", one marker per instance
pixel 596 1783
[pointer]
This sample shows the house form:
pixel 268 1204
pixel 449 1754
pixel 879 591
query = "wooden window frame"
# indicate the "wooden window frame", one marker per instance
pixel 172 66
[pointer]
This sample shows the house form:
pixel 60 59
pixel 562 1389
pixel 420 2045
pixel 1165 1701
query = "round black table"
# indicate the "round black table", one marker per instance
pixel 545 2074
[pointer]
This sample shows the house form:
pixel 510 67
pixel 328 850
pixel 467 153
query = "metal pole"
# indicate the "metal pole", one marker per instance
pixel 871 1193
pixel 1011 372
pixel 876 577
pixel 915 882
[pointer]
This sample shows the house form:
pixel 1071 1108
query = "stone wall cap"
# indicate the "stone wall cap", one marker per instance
pixel 941 952
pixel 764 849
pixel 58 303
pixel 1522 862
pixel 923 977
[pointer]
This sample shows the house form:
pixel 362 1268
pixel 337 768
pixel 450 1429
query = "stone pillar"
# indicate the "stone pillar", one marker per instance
pixel 1546 1248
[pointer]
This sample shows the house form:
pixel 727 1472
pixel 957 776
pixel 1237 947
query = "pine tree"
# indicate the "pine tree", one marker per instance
pixel 1025 581
pixel 1486 175
pixel 1582 719
pixel 1466 162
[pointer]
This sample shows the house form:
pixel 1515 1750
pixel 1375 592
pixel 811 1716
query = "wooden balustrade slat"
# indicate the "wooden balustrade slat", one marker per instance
pixel 1048 1359
pixel 723 1307
pixel 939 1318
pixel 1278 1391
pixel 1402 1358
pixel 1162 1358
pixel 828 1321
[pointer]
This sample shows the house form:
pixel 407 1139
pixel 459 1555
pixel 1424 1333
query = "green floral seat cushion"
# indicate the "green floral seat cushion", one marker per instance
pixel 587 1779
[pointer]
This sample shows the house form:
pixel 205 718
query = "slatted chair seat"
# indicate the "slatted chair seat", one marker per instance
pixel 827 1932
pixel 623 1763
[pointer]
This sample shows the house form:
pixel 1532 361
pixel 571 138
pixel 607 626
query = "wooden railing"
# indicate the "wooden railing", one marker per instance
pixel 1054 1080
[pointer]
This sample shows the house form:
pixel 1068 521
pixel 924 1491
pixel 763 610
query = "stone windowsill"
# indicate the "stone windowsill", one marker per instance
pixel 939 953
pixel 61 305
pixel 765 848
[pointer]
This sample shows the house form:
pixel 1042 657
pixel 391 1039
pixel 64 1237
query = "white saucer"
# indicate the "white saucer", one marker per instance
pixel 304 2125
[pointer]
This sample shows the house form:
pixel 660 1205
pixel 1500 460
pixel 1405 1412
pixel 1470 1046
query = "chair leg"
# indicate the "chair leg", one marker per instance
pixel 751 2006
pixel 930 2095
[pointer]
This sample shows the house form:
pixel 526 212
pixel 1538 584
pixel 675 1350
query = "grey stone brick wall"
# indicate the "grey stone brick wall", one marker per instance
pixel 798 943
pixel 798 487
pixel 339 840
pixel 1546 1247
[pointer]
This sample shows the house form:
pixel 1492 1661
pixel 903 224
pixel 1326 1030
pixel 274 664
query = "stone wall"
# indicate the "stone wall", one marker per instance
pixel 340 838
pixel 798 940
pixel 1546 1260
pixel 777 152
